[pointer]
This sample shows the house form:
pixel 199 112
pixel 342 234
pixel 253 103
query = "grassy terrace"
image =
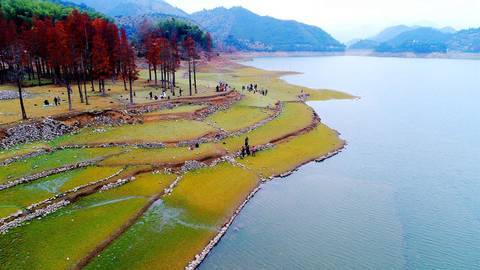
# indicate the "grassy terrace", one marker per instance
pixel 157 132
pixel 22 196
pixel 51 161
pixel 62 239
pixel 288 155
pixel 165 156
pixel 21 150
pixel 238 75
pixel 180 225
pixel 239 117
pixel 295 116
pixel 178 109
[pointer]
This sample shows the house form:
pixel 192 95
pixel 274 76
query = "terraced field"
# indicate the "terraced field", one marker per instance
pixel 152 132
pixel 168 188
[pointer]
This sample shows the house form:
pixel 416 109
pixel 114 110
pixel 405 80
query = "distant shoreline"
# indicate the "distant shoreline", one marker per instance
pixel 367 53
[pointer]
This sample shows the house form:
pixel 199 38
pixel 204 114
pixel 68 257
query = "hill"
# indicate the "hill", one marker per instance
pixel 244 30
pixel 416 39
pixel 392 32
pixel 25 10
pixel 465 41
pixel 420 40
pixel 132 7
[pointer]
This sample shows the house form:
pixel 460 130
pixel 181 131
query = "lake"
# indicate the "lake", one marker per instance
pixel 405 193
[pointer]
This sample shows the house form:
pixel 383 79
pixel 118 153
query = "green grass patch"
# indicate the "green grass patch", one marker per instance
pixel 157 132
pixel 178 227
pixel 62 239
pixel 288 155
pixel 256 100
pixel 239 117
pixel 178 109
pixel 295 116
pixel 22 196
pixel 164 156
pixel 21 150
pixel 51 161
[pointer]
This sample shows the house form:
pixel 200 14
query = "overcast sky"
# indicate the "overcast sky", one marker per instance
pixel 348 19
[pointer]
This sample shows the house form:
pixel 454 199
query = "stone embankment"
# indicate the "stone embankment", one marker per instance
pixel 37 214
pixel 46 129
pixel 21 157
pixel 43 174
pixel 202 255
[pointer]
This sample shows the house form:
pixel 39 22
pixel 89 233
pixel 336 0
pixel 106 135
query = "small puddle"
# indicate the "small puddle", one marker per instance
pixel 162 215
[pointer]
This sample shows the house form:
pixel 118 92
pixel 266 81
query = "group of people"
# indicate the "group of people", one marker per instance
pixel 222 87
pixel 254 88
pixel 155 97
pixel 56 102
pixel 247 150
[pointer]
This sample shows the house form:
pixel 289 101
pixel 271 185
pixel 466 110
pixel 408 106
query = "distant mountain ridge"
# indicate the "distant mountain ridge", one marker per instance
pixel 417 39
pixel 236 28
pixel 132 7
pixel 242 29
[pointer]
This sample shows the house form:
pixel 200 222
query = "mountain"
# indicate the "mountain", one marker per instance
pixel 392 32
pixel 26 10
pixel 132 7
pixel 364 44
pixel 244 30
pixel 465 41
pixel 420 40
pixel 417 39
pixel 448 30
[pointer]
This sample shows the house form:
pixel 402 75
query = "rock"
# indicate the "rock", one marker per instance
pixel 47 129
pixel 192 165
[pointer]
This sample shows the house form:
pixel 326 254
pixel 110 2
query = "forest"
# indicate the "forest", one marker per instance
pixel 46 43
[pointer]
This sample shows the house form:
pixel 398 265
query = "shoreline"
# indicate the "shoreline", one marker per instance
pixel 365 53
pixel 200 257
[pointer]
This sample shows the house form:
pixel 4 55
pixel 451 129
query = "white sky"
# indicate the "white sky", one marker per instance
pixel 349 19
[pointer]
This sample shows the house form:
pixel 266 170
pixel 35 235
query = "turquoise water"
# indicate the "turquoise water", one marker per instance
pixel 405 194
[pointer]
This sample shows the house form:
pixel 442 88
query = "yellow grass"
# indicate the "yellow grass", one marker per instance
pixel 155 132
pixel 295 116
pixel 176 229
pixel 165 156
pixel 288 155
pixel 239 117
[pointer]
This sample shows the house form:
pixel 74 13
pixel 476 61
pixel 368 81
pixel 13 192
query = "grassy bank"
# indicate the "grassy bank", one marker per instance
pixel 109 229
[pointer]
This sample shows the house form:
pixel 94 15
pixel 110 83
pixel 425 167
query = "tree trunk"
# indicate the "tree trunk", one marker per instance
pixel 79 85
pixel 194 76
pixel 190 76
pixel 149 73
pixel 39 72
pixel 155 71
pixel 173 78
pixel 20 97
pixel 69 95
pixel 131 89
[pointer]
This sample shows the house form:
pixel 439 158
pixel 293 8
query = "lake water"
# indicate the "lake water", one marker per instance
pixel 405 193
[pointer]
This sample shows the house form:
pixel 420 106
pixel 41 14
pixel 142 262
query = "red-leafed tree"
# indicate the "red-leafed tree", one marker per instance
pixel 127 61
pixel 190 52
pixel 153 55
pixel 101 61
pixel 75 49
